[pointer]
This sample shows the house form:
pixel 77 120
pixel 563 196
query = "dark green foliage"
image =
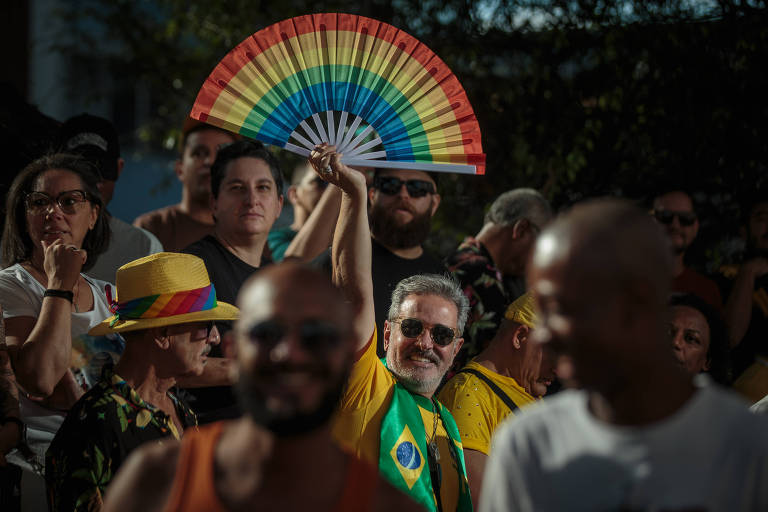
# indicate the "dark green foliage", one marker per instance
pixel 579 98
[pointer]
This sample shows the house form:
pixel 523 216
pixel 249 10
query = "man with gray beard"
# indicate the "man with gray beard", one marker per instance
pixel 402 204
pixel 294 348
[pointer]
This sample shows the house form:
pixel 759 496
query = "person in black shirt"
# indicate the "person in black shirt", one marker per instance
pixel 247 197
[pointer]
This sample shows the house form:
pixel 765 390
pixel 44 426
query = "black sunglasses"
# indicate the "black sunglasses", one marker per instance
pixel 413 327
pixel 390 186
pixel 315 335
pixel 667 217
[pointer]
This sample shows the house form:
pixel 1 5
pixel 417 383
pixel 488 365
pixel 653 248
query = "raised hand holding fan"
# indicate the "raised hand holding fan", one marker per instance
pixel 379 95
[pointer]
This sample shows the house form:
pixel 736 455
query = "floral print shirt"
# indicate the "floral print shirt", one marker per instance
pixel 100 430
pixel 483 285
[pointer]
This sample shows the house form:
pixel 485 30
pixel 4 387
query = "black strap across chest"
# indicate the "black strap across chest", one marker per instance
pixel 496 389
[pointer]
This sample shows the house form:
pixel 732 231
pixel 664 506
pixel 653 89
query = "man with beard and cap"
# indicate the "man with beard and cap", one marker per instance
pixel 402 204
pixel 674 211
pixel 165 309
pixel 294 346
pixel 96 140
pixel 389 415
pixel 640 433
pixel 512 372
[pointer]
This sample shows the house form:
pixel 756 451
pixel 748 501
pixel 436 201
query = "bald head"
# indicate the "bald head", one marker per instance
pixel 294 348
pixel 292 284
pixel 613 244
pixel 601 276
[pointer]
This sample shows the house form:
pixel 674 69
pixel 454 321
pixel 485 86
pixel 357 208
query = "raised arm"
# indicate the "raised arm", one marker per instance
pixel 738 307
pixel 40 348
pixel 317 232
pixel 351 250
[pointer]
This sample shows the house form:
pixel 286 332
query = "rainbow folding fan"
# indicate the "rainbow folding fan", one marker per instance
pixel 382 97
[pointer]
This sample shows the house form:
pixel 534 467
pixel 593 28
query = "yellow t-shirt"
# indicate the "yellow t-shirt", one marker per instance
pixel 478 411
pixel 365 402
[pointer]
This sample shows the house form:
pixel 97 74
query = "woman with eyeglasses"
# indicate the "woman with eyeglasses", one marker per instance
pixel 55 228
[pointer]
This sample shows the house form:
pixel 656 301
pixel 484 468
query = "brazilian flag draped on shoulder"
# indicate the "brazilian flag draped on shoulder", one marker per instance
pixel 403 450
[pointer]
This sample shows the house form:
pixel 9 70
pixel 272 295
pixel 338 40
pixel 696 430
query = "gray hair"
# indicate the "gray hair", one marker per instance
pixel 517 204
pixel 431 284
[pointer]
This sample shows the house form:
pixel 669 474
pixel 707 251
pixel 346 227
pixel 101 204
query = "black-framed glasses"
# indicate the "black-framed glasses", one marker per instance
pixel 413 327
pixel 390 186
pixel 314 335
pixel 68 201
pixel 666 217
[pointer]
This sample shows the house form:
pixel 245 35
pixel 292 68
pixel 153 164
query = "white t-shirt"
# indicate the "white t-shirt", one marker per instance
pixel 126 244
pixel 710 455
pixel 22 295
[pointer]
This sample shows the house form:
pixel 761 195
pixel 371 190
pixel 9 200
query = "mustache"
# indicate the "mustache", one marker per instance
pixel 404 205
pixel 427 354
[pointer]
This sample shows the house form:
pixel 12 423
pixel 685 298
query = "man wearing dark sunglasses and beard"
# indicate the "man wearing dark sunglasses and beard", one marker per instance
pixel 294 347
pixel 388 414
pixel 673 210
pixel 402 204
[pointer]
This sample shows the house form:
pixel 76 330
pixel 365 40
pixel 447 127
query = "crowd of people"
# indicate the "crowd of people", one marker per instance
pixel 203 359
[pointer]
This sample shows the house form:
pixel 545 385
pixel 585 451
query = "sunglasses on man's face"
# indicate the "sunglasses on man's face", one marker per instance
pixel 666 217
pixel 314 335
pixel 203 331
pixel 390 186
pixel 413 327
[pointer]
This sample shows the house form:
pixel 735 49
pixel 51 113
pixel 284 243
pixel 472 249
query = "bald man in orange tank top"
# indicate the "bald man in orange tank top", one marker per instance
pixel 294 345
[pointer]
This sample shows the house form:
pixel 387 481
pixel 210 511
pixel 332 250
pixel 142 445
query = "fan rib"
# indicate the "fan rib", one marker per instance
pixel 365 147
pixel 320 128
pixel 331 127
pixel 311 133
pixel 302 140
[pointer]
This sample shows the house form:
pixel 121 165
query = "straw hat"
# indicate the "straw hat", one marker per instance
pixel 163 289
pixel 522 310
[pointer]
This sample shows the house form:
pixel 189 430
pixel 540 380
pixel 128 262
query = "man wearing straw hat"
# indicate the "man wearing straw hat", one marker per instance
pixel 513 371
pixel 165 309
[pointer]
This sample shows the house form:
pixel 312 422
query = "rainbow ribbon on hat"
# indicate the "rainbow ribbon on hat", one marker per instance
pixel 163 305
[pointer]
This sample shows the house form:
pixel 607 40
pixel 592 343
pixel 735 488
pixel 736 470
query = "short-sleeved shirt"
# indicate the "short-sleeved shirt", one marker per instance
pixel 710 454
pixel 126 243
pixel 365 402
pixel 101 429
pixel 22 296
pixel 174 228
pixel 483 284
pixel 477 409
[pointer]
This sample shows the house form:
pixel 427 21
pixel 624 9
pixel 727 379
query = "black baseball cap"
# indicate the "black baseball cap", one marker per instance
pixel 95 139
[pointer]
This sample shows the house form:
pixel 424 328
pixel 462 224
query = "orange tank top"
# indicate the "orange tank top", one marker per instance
pixel 193 487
